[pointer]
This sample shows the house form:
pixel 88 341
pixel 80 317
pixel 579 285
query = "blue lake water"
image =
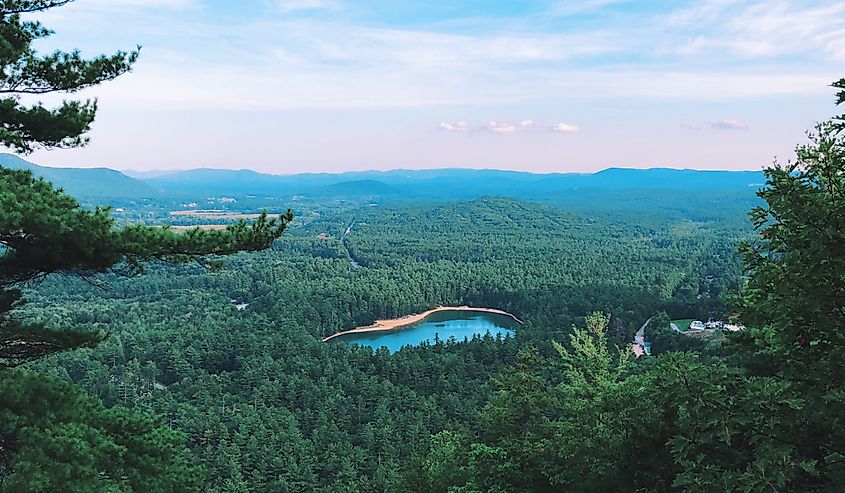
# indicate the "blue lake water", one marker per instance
pixel 460 324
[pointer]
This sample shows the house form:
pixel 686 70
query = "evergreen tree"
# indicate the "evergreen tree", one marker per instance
pixel 53 437
pixel 43 230
pixel 795 298
pixel 24 71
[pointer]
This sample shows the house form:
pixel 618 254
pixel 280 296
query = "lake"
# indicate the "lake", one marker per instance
pixel 459 324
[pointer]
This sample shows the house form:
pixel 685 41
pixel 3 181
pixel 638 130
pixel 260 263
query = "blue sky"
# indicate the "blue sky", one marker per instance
pixel 327 85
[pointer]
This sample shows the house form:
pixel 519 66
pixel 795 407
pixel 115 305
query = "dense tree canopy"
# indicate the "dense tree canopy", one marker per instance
pixel 44 231
pixel 766 415
pixel 214 378
pixel 54 437
pixel 338 418
pixel 57 438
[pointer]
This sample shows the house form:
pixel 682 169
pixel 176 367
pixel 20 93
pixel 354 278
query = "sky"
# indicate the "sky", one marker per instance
pixel 286 86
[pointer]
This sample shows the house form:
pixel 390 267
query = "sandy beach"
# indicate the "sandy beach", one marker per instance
pixel 396 323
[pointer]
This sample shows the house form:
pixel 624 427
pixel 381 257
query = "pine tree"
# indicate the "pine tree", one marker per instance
pixel 25 71
pixel 53 437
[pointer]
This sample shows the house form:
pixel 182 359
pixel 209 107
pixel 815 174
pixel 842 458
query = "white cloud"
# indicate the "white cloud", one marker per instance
pixel 565 128
pixel 275 62
pixel 728 125
pixel 287 6
pixel 501 128
pixel 759 29
pixel 506 128
pixel 699 12
pixel 455 127
pixel 136 4
pixel 565 8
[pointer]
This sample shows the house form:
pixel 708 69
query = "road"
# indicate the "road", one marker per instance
pixel 639 337
pixel 354 263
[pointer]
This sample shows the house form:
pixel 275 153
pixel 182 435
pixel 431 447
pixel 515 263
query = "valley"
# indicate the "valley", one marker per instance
pixel 422 247
pixel 180 349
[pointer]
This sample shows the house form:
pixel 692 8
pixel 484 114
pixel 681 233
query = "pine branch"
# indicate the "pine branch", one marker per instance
pixel 12 7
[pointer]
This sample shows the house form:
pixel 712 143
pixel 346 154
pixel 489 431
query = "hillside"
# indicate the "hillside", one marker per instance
pixel 86 183
pixel 358 188
pixel 318 403
pixel 630 188
pixel 452 183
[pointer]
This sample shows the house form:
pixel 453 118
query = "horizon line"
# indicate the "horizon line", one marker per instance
pixel 387 170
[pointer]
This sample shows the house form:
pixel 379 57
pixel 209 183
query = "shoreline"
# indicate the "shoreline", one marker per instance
pixel 398 323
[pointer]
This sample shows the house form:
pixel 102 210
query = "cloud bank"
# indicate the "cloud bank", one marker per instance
pixel 728 125
pixel 507 128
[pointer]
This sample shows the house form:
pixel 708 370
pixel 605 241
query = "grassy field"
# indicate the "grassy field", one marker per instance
pixel 180 228
pixel 683 324
pixel 215 214
pixel 209 218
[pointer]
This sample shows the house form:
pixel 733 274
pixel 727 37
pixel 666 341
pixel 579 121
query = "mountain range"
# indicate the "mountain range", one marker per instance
pixel 93 183
pixel 446 183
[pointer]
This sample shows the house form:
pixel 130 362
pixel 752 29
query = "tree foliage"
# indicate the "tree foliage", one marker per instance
pixel 266 406
pixel 795 297
pixel 45 231
pixel 263 405
pixel 25 71
pixel 53 437
pixel 56 438
pixel 768 416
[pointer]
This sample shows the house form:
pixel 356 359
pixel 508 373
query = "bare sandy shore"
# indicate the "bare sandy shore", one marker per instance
pixel 396 323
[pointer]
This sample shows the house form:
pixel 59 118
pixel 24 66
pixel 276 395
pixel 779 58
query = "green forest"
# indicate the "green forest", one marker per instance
pixel 135 357
pixel 267 407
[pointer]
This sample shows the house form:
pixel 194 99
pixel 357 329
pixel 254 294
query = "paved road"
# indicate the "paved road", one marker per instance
pixel 345 241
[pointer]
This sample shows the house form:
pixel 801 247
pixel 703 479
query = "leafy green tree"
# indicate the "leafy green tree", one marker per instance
pixel 726 430
pixel 795 298
pixel 839 120
pixel 610 431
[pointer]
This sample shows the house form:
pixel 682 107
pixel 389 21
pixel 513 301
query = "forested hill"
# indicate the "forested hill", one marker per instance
pixel 434 184
pixel 267 407
pixel 172 331
pixel 87 183
pixel 451 184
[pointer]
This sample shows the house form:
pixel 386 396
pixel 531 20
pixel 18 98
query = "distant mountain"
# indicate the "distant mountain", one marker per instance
pixel 668 178
pixel 146 175
pixel 219 182
pixel 431 184
pixel 450 183
pixel 86 183
pixel 358 188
